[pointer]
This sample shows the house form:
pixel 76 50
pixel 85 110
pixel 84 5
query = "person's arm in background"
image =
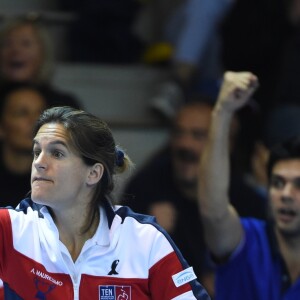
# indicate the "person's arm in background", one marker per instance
pixel 222 227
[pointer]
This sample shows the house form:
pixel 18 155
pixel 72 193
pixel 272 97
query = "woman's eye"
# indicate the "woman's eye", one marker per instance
pixel 36 153
pixel 57 154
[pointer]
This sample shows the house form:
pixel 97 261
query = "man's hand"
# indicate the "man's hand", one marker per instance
pixel 237 88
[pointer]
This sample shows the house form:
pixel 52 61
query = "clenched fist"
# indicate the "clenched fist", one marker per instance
pixel 237 88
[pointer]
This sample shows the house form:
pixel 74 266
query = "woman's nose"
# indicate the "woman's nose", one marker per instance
pixel 40 161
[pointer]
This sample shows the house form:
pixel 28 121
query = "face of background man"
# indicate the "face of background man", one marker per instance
pixel 188 138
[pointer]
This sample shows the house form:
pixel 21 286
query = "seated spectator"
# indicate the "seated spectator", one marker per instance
pixel 26 55
pixel 20 106
pixel 280 123
pixel 166 186
pixel 256 259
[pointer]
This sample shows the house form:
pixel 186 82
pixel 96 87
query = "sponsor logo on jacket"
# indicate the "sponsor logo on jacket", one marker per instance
pixel 114 292
pixel 184 276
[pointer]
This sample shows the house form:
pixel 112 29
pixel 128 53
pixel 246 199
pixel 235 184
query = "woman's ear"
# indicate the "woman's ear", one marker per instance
pixel 95 174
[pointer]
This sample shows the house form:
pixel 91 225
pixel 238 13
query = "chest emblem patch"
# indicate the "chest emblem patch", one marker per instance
pixel 114 292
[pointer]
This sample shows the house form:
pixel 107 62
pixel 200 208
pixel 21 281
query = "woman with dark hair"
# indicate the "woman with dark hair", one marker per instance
pixel 20 106
pixel 69 241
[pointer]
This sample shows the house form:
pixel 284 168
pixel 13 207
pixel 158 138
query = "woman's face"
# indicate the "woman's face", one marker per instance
pixel 21 54
pixel 59 177
pixel 22 109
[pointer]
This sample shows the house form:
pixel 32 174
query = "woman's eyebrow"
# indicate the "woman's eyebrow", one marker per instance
pixel 52 143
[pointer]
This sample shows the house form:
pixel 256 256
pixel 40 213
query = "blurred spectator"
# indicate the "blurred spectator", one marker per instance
pixel 102 32
pixel 281 123
pixel 256 259
pixel 26 55
pixel 192 31
pixel 20 106
pixel 166 186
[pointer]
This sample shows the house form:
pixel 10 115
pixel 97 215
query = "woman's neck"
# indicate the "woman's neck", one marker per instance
pixel 72 231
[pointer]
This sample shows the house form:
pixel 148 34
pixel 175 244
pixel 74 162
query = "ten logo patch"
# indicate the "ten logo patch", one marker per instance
pixel 114 292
